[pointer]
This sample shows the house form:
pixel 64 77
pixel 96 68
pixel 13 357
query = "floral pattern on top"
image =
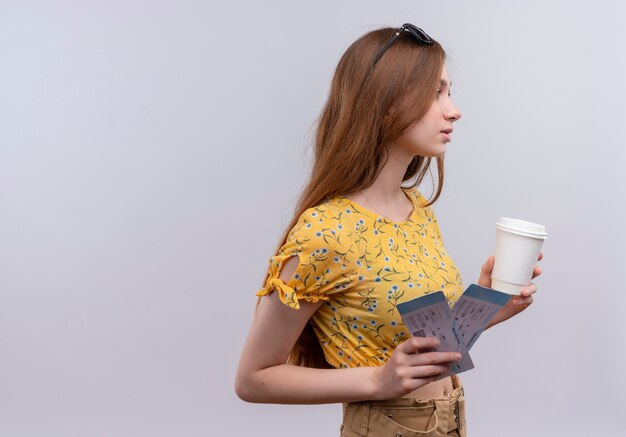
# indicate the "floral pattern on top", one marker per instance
pixel 362 266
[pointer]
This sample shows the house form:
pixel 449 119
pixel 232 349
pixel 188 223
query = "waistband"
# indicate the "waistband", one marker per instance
pixel 448 413
pixel 454 395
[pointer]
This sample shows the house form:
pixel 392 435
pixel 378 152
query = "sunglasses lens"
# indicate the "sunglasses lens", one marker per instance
pixel 418 33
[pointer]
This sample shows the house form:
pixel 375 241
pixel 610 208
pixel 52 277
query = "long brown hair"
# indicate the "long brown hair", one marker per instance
pixel 368 107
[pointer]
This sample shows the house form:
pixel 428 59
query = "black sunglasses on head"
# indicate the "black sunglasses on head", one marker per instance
pixel 415 31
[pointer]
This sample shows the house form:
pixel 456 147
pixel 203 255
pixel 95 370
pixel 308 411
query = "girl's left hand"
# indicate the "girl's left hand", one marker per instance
pixel 517 303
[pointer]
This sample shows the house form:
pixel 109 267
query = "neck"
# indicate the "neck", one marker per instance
pixel 387 188
pixel 385 196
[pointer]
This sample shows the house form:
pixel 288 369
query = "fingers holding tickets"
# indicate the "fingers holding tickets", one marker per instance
pixel 412 364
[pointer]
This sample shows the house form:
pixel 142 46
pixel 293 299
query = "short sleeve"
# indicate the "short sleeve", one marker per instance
pixel 327 260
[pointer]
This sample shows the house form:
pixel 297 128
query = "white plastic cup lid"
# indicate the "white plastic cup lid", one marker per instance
pixel 517 225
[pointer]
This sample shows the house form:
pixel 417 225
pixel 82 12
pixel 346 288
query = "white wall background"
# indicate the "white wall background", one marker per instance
pixel 151 153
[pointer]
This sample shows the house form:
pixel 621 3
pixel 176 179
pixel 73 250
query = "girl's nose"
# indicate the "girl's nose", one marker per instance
pixel 453 113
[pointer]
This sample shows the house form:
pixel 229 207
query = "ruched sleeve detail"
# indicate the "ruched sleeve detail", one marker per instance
pixel 286 293
pixel 327 260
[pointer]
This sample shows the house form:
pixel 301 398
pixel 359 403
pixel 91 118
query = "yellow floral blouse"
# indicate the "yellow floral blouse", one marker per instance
pixel 362 266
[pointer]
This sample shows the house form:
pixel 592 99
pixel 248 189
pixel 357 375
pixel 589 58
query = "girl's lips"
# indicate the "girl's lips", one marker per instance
pixel 447 137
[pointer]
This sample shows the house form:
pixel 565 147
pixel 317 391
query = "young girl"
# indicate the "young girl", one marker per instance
pixel 362 240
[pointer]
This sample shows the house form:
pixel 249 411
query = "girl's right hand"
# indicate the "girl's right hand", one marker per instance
pixel 411 366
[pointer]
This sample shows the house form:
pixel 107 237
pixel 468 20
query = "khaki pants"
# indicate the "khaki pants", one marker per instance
pixel 407 417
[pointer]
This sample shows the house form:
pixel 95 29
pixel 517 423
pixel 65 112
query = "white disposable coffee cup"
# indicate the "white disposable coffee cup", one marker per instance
pixel 518 244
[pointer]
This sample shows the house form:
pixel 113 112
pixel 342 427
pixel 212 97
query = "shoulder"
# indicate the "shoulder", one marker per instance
pixel 416 196
pixel 332 214
pixel 420 201
pixel 325 225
